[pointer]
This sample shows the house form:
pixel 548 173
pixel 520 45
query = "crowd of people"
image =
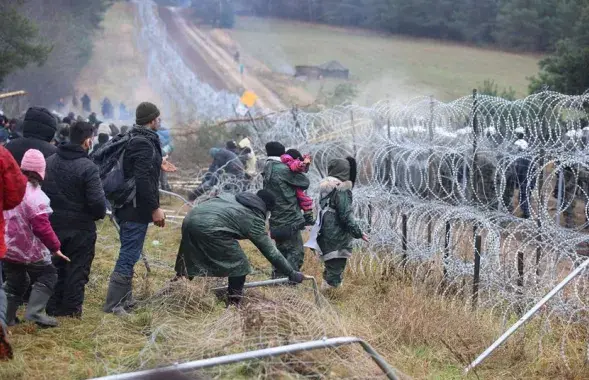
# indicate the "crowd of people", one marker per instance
pixel 61 175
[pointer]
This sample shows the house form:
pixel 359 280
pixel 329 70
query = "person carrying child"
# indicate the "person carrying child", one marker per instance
pixel 30 242
pixel 298 163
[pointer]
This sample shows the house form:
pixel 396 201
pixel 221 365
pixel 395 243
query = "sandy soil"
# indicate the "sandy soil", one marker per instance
pixel 214 63
pixel 116 69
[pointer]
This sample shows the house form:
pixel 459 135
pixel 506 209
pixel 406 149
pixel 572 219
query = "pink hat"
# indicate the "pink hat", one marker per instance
pixel 33 161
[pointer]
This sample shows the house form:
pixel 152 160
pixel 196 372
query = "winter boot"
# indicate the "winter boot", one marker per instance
pixel 12 304
pixel 35 311
pixel 119 289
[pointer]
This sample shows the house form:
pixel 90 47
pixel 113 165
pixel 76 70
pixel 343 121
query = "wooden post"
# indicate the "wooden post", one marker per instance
pixel 353 133
pixel 540 186
pixel 477 271
pixel 431 183
pixel 369 218
pixel 447 241
pixel 404 238
pixel 520 270
pixel 477 249
pixel 389 166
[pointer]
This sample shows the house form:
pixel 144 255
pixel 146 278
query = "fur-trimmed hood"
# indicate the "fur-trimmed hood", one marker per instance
pixel 328 184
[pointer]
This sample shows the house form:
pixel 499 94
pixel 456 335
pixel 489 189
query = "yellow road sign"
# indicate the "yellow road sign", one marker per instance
pixel 249 98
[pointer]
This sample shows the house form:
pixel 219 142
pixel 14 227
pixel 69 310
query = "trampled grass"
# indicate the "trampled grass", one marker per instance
pixel 384 66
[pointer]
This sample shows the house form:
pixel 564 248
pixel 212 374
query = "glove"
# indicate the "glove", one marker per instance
pixel 296 277
pixel 309 220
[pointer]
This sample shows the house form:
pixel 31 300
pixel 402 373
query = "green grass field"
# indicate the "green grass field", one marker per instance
pixel 384 66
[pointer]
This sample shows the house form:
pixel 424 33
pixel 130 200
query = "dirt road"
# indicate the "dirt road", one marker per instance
pixel 211 62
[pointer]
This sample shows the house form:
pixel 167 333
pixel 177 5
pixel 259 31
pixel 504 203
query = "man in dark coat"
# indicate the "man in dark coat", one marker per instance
pixel 39 129
pixel 73 184
pixel 286 220
pixel 86 103
pixel 107 109
pixel 142 161
pixel 210 234
pixel 224 162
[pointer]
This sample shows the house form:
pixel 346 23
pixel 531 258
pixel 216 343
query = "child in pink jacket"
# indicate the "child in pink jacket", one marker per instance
pixel 298 163
pixel 30 243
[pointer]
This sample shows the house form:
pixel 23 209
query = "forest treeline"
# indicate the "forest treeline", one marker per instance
pixel 530 25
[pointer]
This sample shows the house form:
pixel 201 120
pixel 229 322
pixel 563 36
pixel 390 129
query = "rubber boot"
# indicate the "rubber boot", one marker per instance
pixel 119 289
pixel 35 311
pixel 12 304
pixel 234 297
pixel 326 286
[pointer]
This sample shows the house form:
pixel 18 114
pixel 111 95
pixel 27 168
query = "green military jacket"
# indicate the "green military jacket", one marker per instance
pixel 280 181
pixel 338 226
pixel 210 234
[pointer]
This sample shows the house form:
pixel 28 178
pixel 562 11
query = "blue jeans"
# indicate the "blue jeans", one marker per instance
pixel 132 238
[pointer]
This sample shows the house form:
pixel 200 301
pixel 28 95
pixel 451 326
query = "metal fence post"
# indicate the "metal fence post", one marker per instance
pixel 526 316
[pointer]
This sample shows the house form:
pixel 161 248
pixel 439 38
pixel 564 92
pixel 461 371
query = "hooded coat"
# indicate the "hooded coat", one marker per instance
pixel 12 189
pixel 210 234
pixel 338 228
pixel 226 161
pixel 280 181
pixel 249 158
pixel 39 129
pixel 73 184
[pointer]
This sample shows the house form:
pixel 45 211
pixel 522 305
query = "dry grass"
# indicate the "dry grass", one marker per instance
pixel 420 333
pixel 383 66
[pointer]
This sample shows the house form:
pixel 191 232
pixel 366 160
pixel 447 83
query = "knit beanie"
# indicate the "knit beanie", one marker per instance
pixel 231 145
pixel 274 149
pixel 213 152
pixel 145 113
pixel 104 128
pixel 33 161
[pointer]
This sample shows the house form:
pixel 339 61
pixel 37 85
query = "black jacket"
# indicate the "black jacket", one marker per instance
pixel 35 137
pixel 73 185
pixel 143 160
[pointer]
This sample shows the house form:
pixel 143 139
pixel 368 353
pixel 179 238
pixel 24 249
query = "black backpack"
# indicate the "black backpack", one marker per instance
pixel 109 159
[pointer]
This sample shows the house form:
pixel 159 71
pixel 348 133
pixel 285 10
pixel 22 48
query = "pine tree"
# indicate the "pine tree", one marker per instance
pixel 19 41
